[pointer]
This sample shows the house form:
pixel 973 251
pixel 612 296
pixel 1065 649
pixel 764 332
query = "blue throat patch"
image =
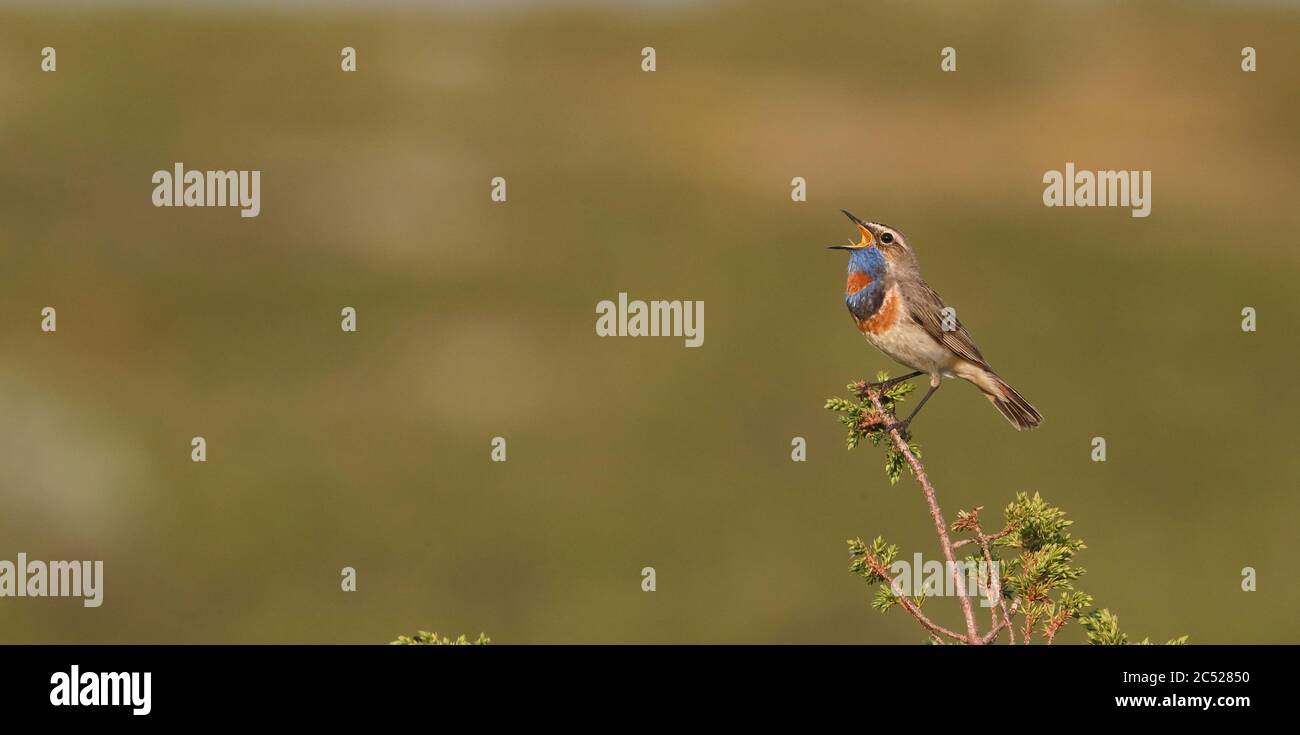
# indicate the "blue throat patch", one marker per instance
pixel 867 300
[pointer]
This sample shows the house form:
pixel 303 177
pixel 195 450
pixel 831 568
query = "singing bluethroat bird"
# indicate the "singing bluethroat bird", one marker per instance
pixel 898 313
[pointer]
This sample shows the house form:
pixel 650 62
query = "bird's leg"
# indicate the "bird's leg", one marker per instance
pixel 885 385
pixel 901 426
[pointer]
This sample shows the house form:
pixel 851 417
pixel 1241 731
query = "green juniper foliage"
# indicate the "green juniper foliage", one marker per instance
pixel 1103 627
pixel 425 638
pixel 865 422
pixel 1034 551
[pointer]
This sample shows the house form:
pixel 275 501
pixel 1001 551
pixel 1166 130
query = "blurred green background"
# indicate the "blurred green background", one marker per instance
pixel 477 319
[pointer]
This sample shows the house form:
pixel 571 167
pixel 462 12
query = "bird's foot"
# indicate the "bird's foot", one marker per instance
pixel 901 428
pixel 884 385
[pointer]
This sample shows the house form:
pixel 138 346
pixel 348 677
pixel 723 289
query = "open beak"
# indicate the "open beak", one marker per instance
pixel 867 239
pixel 853 217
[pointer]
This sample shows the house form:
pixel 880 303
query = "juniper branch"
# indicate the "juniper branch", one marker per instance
pixel 1000 534
pixel 1039 588
pixel 970 520
pixel 941 526
pixel 878 568
pixel 1006 623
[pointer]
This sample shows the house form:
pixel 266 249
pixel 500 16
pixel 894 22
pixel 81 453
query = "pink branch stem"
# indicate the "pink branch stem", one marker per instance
pixel 968 612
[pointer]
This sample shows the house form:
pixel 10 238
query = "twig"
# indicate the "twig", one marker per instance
pixel 971 522
pixel 997 584
pixel 1029 625
pixel 994 537
pixel 972 632
pixel 1006 623
pixel 909 605
pixel 1054 624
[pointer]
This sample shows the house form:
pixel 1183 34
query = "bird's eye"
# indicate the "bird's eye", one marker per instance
pixel 887 238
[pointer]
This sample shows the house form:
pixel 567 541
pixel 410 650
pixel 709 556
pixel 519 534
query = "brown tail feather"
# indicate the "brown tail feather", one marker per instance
pixel 1014 406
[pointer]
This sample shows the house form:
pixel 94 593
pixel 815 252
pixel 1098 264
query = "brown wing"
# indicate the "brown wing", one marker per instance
pixel 926 309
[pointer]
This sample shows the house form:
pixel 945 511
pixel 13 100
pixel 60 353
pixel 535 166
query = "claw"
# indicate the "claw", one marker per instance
pixel 901 428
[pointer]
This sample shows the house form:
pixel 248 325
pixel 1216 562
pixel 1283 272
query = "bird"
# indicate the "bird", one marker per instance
pixel 900 315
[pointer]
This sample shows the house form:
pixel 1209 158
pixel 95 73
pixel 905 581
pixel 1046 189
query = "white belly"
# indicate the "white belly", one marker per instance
pixel 911 345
